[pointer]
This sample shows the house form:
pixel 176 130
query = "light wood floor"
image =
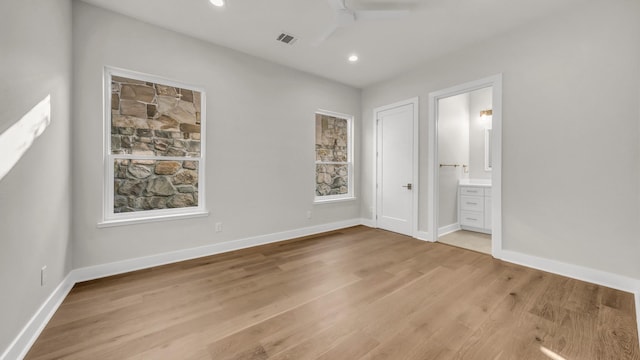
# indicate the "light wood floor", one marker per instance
pixel 470 240
pixel 357 293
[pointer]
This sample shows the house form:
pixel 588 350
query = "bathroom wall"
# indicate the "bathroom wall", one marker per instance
pixel 478 100
pixel 453 149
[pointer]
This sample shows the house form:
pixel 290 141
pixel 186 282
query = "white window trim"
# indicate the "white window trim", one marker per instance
pixel 350 167
pixel 109 218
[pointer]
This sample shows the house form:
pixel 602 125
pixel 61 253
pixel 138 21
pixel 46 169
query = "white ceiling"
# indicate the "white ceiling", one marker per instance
pixel 385 47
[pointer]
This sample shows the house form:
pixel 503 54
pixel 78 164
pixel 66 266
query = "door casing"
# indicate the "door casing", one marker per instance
pixel 495 82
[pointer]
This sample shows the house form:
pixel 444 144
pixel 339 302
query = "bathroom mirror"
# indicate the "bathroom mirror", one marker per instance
pixel 487 150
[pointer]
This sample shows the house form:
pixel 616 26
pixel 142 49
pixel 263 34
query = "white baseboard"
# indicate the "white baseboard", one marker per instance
pixel 368 222
pixel 423 235
pixel 120 267
pixel 594 276
pixel 638 311
pixel 420 235
pixel 448 229
pixel 22 343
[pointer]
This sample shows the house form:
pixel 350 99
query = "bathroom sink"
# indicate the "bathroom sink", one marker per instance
pixel 476 182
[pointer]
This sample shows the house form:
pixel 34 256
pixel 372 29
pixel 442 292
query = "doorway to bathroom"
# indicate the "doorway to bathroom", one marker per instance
pixel 465 166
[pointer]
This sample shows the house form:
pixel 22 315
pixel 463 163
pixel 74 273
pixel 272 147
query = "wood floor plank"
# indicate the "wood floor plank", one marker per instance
pixel 356 293
pixel 308 319
pixel 510 331
pixel 353 346
pixel 616 335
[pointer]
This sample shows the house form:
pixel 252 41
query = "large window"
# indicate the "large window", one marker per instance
pixel 334 156
pixel 154 148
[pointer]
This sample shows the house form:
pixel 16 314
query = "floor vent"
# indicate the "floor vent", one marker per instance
pixel 287 38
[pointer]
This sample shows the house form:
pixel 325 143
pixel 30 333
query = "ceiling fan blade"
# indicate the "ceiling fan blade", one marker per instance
pixel 327 34
pixel 380 14
pixel 385 5
pixel 337 4
pixel 345 17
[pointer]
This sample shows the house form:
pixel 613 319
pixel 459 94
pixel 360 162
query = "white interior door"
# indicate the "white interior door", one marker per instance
pixel 396 185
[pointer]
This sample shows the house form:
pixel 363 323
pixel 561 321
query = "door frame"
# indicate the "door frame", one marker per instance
pixel 416 153
pixel 494 81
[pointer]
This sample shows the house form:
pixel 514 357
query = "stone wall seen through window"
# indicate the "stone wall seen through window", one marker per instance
pixel 332 155
pixel 162 125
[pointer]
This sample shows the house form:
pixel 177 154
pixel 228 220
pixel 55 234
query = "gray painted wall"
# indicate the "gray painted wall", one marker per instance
pixel 35 198
pixel 260 128
pixel 570 135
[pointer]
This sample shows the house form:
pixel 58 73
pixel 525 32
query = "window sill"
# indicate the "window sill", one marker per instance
pixel 166 217
pixel 328 201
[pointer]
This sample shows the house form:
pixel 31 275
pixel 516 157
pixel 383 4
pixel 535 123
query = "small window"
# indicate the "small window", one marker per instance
pixel 334 156
pixel 154 148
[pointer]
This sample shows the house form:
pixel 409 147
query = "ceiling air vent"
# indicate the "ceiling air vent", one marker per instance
pixel 287 38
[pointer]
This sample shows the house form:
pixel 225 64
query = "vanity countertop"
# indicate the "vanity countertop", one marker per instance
pixel 475 182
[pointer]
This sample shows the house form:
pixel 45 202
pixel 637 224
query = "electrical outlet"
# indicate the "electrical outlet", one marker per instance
pixel 309 214
pixel 43 276
pixel 218 227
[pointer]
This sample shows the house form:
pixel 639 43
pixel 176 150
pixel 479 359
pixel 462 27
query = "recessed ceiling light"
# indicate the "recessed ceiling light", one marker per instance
pixel 218 3
pixel 353 58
